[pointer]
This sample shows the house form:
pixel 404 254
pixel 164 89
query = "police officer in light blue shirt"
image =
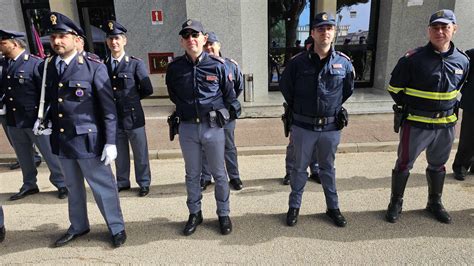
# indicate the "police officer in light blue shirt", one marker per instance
pixel 201 89
pixel 315 84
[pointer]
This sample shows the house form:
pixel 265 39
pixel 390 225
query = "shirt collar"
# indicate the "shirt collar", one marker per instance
pixel 18 56
pixel 66 60
pixel 119 59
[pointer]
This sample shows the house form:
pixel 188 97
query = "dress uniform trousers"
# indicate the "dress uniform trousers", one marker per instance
pixel 104 188
pixel 3 120
pixel 194 138
pixel 465 153
pixel 290 159
pixel 230 155
pixel 413 141
pixel 305 143
pixel 138 141
pixel 23 140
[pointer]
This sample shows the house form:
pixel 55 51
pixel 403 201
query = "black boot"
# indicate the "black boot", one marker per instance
pixel 399 182
pixel 435 190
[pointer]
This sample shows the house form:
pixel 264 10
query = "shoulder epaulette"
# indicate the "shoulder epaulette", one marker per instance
pixel 412 52
pixel 136 58
pixel 176 59
pixel 35 56
pixel 26 57
pixel 80 59
pixel 93 59
pixel 343 55
pixel 220 59
pixel 233 61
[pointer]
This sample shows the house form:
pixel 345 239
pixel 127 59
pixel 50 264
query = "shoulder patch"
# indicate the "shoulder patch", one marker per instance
pixel 93 59
pixel 220 59
pixel 136 58
pixel 412 52
pixel 343 55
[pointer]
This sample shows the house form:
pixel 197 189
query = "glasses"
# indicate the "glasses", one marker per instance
pixel 186 35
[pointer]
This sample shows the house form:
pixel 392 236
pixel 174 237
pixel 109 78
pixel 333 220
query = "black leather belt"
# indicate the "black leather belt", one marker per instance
pixel 195 120
pixel 431 114
pixel 316 121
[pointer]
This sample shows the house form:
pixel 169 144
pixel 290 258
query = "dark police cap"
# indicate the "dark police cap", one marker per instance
pixel 322 19
pixel 58 23
pixel 212 37
pixel 191 25
pixel 309 40
pixel 444 16
pixel 112 28
pixel 7 34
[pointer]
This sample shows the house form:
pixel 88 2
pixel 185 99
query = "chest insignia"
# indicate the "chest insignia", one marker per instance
pixel 211 78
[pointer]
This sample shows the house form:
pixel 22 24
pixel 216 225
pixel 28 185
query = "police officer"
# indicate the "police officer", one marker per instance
pixel 80 48
pixel 201 88
pixel 315 84
pixel 83 117
pixel 22 85
pixel 213 47
pixel 130 83
pixel 2 225
pixel 464 156
pixel 425 83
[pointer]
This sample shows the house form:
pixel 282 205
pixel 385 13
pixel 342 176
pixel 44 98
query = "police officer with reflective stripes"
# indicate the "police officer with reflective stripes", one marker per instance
pixel 464 159
pixel 199 86
pixel 130 83
pixel 22 85
pixel 83 123
pixel 315 84
pixel 424 84
pixel 213 47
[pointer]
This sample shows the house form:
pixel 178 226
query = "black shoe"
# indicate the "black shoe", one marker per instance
pixel 225 224
pixel 460 175
pixel 315 178
pixel 193 221
pixel 143 191
pixel 119 239
pixel 394 209
pixel 68 238
pixel 471 169
pixel 236 183
pixel 123 188
pixel 62 193
pixel 336 216
pixel 286 180
pixel 14 165
pixel 204 184
pixel 23 193
pixel 292 216
pixel 38 162
pixel 439 212
pixel 2 233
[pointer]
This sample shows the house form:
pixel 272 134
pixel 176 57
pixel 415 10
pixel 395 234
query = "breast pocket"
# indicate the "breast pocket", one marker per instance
pixel 79 90
pixel 24 79
pixel 334 80
pixel 126 78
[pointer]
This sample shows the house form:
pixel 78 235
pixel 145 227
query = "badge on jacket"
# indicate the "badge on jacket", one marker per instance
pixel 211 78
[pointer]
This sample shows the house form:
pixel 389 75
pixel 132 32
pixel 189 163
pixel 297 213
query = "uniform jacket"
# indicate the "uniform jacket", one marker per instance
pixel 467 100
pixel 426 80
pixel 82 109
pixel 199 87
pixel 317 95
pixel 22 86
pixel 130 84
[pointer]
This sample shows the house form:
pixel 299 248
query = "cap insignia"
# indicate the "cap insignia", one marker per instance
pixel 53 19
pixel 189 22
pixel 324 16
pixel 440 13
pixel 111 25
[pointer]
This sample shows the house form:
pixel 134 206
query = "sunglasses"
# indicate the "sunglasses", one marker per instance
pixel 186 35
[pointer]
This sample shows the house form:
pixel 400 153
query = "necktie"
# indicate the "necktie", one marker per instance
pixel 10 64
pixel 115 64
pixel 61 68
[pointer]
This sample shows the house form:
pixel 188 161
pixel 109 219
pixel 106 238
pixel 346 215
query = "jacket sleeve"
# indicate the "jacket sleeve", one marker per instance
pixel 144 86
pixel 348 84
pixel 169 85
pixel 227 86
pixel 106 102
pixel 238 81
pixel 400 80
pixel 287 87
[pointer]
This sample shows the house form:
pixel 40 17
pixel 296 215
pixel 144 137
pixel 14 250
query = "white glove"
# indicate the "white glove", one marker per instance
pixel 109 154
pixel 39 130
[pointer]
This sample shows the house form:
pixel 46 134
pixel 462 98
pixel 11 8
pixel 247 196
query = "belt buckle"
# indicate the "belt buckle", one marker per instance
pixel 438 115
pixel 320 121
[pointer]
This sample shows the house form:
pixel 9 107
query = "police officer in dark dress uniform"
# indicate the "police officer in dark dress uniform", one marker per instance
pixel 464 156
pixel 21 84
pixel 130 83
pixel 83 133
pixel 213 47
pixel 315 84
pixel 424 85
pixel 201 88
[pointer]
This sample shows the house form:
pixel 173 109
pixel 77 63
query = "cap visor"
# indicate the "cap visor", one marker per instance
pixel 324 23
pixel 189 28
pixel 441 20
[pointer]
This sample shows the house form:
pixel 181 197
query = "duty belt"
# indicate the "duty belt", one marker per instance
pixel 431 114
pixel 194 120
pixel 316 121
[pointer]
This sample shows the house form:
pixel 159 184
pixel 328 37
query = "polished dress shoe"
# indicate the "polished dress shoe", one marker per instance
pixel 194 220
pixel 119 239
pixel 68 238
pixel 336 216
pixel 460 174
pixel 394 209
pixel 315 178
pixel 123 188
pixel 143 191
pixel 225 224
pixel 2 233
pixel 439 212
pixel 14 165
pixel 23 193
pixel 236 183
pixel 292 216
pixel 286 180
pixel 204 184
pixel 62 193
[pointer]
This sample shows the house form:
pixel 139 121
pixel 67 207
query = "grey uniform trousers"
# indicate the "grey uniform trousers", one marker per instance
pixel 138 141
pixel 22 140
pixel 104 188
pixel 3 121
pixel 230 155
pixel 305 143
pixel 290 159
pixel 194 138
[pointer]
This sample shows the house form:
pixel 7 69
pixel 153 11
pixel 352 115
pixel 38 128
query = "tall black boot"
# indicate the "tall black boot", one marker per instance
pixel 399 182
pixel 435 190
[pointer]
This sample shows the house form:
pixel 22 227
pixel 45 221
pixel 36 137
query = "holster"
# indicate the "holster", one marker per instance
pixel 399 115
pixel 287 119
pixel 223 117
pixel 342 118
pixel 235 110
pixel 173 123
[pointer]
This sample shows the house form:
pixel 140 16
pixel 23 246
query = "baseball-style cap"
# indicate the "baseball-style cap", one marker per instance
pixel 212 37
pixel 445 16
pixel 8 34
pixel 112 28
pixel 191 25
pixel 57 22
pixel 322 19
